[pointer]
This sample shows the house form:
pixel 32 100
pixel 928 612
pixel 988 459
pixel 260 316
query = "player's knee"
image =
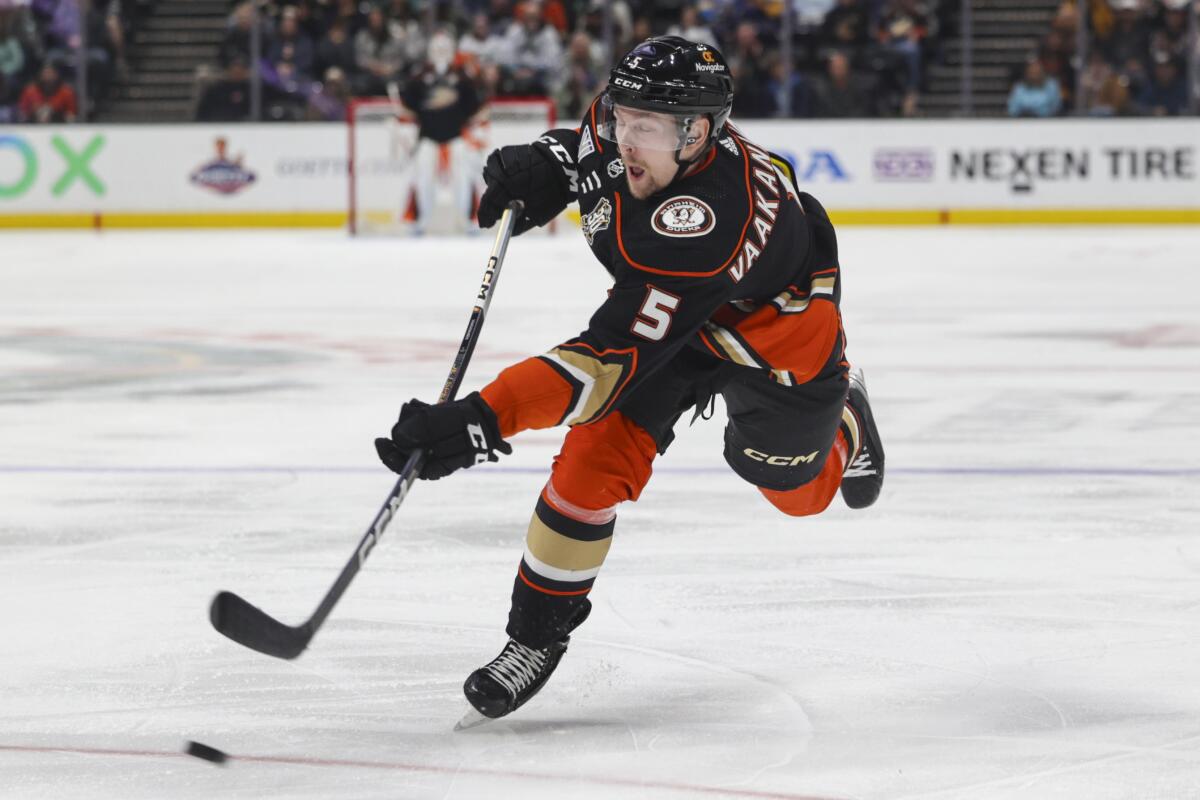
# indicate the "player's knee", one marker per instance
pixel 605 463
pixel 818 489
pixel 803 501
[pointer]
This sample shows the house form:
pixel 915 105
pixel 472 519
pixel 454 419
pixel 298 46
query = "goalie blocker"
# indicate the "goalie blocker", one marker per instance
pixel 726 280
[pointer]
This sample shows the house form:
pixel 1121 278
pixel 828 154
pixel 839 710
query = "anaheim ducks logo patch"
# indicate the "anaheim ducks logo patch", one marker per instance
pixel 683 216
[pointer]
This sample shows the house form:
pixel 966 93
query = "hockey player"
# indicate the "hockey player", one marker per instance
pixel 726 280
pixel 443 99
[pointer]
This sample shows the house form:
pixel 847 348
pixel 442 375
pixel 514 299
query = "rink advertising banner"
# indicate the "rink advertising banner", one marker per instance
pixel 897 172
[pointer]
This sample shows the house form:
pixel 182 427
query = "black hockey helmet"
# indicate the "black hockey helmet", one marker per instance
pixel 671 75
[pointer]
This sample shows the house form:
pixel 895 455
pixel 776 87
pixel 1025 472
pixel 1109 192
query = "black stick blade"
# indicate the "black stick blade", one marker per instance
pixel 252 627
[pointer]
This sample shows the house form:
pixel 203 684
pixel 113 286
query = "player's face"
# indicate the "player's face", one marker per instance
pixel 647 171
pixel 648 143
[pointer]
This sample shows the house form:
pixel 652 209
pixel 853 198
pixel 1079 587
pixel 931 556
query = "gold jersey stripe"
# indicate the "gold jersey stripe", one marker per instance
pixel 601 380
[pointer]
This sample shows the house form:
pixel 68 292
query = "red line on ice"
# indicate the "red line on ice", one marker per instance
pixel 402 767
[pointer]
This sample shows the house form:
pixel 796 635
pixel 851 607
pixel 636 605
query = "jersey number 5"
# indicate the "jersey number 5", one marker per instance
pixel 654 320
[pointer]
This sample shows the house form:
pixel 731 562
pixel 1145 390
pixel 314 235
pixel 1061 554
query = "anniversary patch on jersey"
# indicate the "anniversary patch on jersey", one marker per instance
pixel 683 216
pixel 597 219
pixel 615 167
pixel 586 145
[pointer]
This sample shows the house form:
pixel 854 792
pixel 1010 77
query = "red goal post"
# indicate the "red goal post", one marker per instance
pixel 382 142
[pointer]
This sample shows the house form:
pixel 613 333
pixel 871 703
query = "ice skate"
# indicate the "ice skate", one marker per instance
pixel 863 478
pixel 507 683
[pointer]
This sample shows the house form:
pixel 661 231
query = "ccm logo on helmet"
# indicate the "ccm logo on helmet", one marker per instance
pixel 781 461
pixel 628 84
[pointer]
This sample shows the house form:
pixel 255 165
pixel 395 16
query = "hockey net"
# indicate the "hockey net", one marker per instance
pixel 391 172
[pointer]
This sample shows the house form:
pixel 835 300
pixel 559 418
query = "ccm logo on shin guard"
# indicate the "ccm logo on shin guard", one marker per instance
pixel 781 461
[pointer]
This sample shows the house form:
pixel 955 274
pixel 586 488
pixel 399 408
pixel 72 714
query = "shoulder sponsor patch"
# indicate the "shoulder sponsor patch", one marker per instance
pixel 683 216
pixel 597 219
pixel 729 145
pixel 615 167
pixel 586 145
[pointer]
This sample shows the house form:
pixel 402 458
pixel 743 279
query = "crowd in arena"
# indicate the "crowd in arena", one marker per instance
pixel 41 45
pixel 850 58
pixel 1137 59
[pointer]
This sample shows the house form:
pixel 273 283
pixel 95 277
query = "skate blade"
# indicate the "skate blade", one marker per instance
pixel 471 719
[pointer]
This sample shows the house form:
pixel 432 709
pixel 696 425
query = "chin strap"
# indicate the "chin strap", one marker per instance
pixel 684 166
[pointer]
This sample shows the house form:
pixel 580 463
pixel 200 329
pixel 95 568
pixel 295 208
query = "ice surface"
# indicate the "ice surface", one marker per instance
pixel 1017 616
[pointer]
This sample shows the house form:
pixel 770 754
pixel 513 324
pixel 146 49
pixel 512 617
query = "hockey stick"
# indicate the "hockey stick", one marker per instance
pixel 251 626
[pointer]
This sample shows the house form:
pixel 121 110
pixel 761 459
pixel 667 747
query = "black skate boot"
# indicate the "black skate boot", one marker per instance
pixel 863 478
pixel 512 677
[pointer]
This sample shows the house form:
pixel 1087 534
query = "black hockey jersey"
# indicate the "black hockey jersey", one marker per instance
pixel 732 258
pixel 443 103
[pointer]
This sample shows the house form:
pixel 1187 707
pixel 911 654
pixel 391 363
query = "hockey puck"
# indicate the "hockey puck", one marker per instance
pixel 207 753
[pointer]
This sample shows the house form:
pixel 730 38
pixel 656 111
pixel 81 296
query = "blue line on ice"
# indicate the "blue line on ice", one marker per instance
pixel 1016 472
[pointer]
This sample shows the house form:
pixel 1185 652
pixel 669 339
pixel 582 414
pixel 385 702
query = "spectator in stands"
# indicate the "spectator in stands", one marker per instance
pixel 407 29
pixel 500 12
pixel 622 23
pixel 9 95
pixel 64 36
pixel 474 43
pixel 237 42
pixel 790 96
pixel 47 99
pixel 17 56
pixel 378 55
pixel 1057 56
pixel 1130 35
pixel 227 99
pixel 690 27
pixel 1169 33
pixel 1104 92
pixel 532 54
pixel 336 50
pixel 329 101
pixel 748 67
pixel 903 28
pixel 110 12
pixel 846 26
pixel 841 94
pixel 292 49
pixel 1166 93
pixel 554 14
pixel 1112 99
pixel 351 15
pixel 1036 94
pixel 585 75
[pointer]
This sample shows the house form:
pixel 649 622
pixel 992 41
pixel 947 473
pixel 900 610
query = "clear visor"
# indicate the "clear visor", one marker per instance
pixel 649 130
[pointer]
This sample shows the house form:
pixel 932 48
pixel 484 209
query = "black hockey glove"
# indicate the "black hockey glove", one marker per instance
pixel 525 172
pixel 455 435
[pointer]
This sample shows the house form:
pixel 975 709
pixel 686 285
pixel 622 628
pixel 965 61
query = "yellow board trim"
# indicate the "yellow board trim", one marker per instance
pixel 178 219
pixel 877 216
pixel 1019 216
